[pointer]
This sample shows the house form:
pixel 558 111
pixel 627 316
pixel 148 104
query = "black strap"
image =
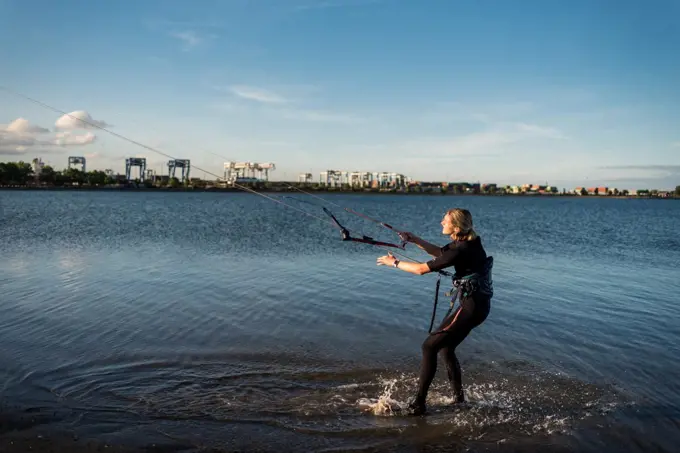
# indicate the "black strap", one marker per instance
pixel 436 299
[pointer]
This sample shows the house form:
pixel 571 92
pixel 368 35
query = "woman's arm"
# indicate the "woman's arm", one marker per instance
pixel 407 266
pixel 447 258
pixel 430 249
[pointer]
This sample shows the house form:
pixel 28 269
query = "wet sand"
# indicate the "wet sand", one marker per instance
pixel 23 430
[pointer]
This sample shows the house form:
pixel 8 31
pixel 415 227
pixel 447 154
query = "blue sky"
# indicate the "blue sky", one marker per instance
pixel 570 93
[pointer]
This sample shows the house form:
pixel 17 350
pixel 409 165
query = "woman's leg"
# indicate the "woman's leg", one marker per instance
pixel 428 365
pixel 480 311
pixel 452 331
pixel 453 372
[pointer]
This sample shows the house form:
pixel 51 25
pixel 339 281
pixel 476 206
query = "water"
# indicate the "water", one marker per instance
pixel 212 320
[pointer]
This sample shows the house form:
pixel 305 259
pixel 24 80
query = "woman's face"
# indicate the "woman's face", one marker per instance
pixel 448 227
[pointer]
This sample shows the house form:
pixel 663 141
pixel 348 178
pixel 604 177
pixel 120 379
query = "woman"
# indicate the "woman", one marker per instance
pixel 473 282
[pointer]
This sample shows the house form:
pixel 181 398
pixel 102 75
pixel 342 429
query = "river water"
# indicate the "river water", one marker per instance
pixel 229 321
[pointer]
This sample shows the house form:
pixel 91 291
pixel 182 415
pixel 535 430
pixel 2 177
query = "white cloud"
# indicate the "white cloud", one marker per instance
pixel 503 148
pixel 189 39
pixel 532 130
pixel 319 116
pixel 659 176
pixel 21 137
pixel 276 105
pixel 67 138
pixel 273 104
pixel 488 113
pixel 257 94
pixel 191 33
pixel 490 141
pixel 22 126
pixel 324 4
pixel 675 145
pixel 163 24
pixel 79 119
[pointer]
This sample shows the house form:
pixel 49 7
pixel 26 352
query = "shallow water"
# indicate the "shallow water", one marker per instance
pixel 227 320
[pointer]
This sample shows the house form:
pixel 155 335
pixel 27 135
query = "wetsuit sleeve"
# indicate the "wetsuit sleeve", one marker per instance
pixel 449 256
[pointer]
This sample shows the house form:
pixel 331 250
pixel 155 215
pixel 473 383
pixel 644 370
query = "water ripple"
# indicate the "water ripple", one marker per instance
pixel 245 319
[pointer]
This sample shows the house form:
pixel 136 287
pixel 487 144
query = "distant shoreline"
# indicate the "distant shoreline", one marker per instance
pixel 281 189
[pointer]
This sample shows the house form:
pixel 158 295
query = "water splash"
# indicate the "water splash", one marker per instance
pixel 386 404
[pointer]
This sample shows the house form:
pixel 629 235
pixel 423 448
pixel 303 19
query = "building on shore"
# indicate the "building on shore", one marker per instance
pixel 37 166
pixel 358 179
pixel 239 172
pixel 305 178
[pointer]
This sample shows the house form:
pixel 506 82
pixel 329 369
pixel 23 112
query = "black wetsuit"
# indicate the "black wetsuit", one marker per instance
pixel 466 257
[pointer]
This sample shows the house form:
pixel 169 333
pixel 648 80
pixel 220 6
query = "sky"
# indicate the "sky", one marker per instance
pixel 566 93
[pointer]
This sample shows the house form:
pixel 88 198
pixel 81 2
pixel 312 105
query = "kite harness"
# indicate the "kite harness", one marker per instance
pixel 464 286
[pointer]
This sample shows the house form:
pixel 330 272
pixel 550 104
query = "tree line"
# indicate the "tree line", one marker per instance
pixel 21 173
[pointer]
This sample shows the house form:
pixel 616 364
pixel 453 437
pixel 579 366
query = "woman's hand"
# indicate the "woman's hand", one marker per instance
pixel 406 266
pixel 407 236
pixel 386 260
pixel 431 249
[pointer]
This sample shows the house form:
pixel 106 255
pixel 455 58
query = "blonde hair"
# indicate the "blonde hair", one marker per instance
pixel 462 219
